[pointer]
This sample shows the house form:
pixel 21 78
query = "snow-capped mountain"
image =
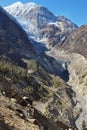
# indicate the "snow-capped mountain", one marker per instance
pixel 37 14
pixel 36 18
pixel 31 16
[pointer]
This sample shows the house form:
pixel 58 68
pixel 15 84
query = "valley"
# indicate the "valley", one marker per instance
pixel 43 70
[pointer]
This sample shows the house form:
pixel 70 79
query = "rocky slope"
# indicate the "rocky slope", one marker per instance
pixel 14 107
pixel 11 119
pixel 77 41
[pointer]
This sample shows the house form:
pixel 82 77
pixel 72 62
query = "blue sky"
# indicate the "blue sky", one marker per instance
pixel 75 10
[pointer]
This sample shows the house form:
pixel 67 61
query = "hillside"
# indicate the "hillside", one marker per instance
pixel 77 41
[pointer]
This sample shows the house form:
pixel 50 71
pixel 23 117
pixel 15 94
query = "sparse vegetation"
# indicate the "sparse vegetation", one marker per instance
pixel 57 83
pixel 28 89
pixel 13 72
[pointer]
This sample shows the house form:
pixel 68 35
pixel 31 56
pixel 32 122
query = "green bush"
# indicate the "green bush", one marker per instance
pixel 57 83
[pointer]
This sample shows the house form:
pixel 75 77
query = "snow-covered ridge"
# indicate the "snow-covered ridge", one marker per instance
pixel 21 4
pixel 16 4
pixel 31 10
pixel 19 7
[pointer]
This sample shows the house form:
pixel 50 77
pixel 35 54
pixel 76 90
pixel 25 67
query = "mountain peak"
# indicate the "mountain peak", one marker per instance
pixel 20 4
pixel 30 3
pixel 17 4
pixel 32 12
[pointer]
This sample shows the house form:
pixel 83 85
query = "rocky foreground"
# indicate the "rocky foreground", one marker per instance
pixel 18 112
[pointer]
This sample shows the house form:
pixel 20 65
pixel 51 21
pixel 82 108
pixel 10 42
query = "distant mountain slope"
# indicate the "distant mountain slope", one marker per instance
pixel 40 23
pixel 77 41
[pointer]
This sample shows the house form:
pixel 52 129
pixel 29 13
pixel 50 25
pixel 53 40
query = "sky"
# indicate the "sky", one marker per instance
pixel 75 10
